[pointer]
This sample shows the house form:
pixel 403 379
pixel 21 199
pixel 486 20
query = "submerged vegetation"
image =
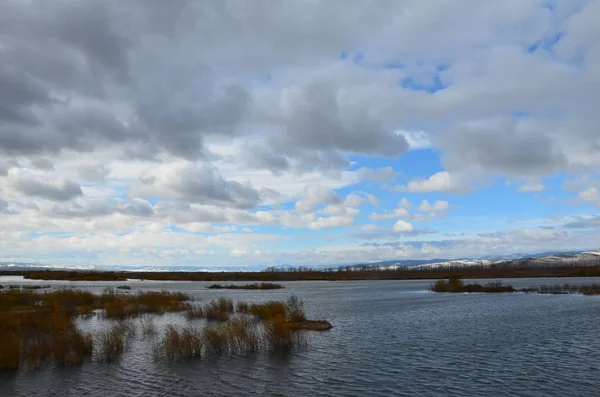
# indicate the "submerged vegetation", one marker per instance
pixel 255 286
pixel 38 327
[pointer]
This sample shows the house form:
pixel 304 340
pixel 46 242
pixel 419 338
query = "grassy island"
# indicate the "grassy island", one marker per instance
pixel 255 286
pixel 456 285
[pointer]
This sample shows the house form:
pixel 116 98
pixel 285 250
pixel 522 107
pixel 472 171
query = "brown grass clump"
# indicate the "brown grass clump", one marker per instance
pixel 216 339
pixel 218 310
pixel 242 307
pixel 243 335
pixel 147 326
pixel 268 310
pixel 123 305
pixel 295 309
pixel 185 343
pixel 111 343
pixel 193 312
pixel 35 336
pixel 279 333
pixel 72 347
pixel 10 350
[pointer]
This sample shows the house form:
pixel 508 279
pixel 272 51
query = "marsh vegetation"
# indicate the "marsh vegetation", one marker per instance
pixel 39 327
pixel 557 289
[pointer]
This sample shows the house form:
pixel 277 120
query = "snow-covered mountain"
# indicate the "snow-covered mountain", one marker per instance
pixel 544 259
pixel 27 266
pixel 541 259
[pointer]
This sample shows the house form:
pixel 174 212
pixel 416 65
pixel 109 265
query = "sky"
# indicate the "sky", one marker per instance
pixel 230 133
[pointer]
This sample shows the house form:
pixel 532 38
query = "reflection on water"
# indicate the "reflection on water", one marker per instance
pixel 389 338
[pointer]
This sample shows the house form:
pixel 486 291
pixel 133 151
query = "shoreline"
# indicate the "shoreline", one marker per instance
pixel 400 274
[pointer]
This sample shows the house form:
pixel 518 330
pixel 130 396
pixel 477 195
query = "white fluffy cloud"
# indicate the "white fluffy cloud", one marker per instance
pixel 590 195
pixel 443 181
pixel 532 186
pixel 403 227
pixel 438 208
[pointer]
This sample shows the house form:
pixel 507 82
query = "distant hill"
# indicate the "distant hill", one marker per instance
pixel 571 258
pixel 28 266
pixel 545 259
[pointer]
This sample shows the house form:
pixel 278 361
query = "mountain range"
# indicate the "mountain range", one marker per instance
pixel 570 258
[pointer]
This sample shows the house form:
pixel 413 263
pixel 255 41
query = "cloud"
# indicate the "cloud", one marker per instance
pixel 437 209
pixel 416 139
pixel 532 186
pixel 331 222
pixel 373 199
pixel 315 117
pixel 502 145
pixel 584 222
pixel 591 196
pixel 92 209
pixel 257 155
pixel 442 181
pixel 403 227
pixel 369 228
pixel 397 213
pixel 55 190
pixel 314 195
pixel 42 164
pixel 195 183
pixel 379 175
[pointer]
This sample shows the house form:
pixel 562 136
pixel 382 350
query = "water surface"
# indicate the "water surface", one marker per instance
pixel 390 338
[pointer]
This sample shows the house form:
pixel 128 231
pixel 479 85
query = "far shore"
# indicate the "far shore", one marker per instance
pixel 255 286
pixel 315 275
